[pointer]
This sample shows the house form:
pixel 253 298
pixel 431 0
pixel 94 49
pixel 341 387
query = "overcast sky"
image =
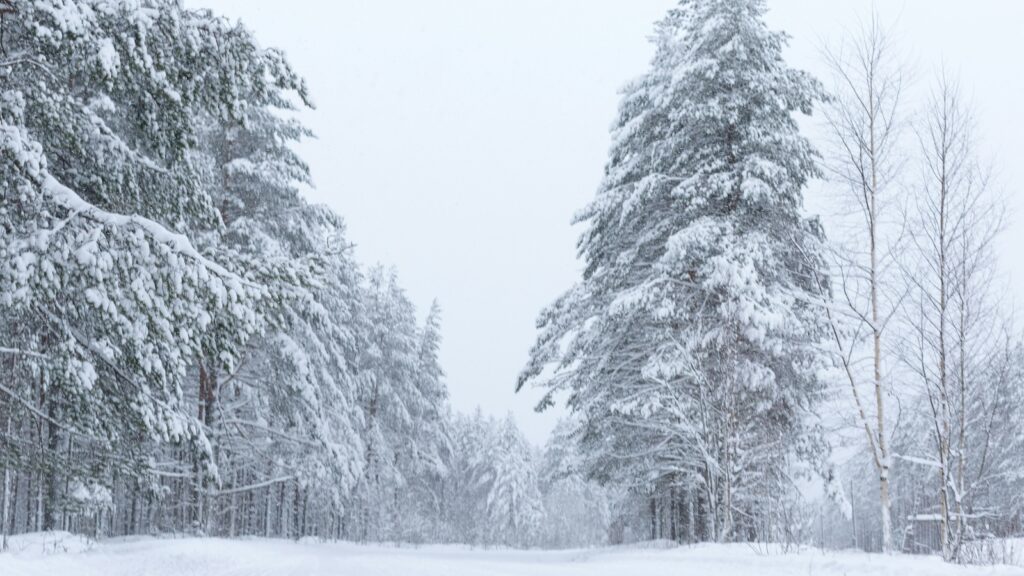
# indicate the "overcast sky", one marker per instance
pixel 458 137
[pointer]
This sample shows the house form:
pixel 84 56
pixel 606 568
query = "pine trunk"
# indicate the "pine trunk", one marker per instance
pixel 5 505
pixel 654 518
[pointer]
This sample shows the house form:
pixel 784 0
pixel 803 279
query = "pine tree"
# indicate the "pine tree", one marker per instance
pixel 428 450
pixel 513 507
pixel 151 233
pixel 388 398
pixel 690 347
pixel 576 508
pixel 100 111
pixel 463 493
pixel 297 385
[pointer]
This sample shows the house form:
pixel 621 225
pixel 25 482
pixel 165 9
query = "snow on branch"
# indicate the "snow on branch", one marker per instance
pixel 68 198
pixel 918 460
pixel 17 352
pixel 252 487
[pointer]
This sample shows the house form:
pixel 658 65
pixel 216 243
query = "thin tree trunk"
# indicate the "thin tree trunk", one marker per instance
pixel 53 478
pixel 654 518
pixel 690 520
pixel 267 514
pixel 5 506
pixel 283 507
pixel 234 506
pixel 39 505
pixel 876 337
pixel 673 507
pixel 962 438
pixel 962 416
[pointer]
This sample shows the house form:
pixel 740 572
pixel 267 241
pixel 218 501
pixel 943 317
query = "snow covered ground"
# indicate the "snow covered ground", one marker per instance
pixel 64 555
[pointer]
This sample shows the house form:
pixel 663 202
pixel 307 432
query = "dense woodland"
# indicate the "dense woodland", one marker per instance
pixel 188 346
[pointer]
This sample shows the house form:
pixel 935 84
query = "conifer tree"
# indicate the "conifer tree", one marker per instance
pixel 690 346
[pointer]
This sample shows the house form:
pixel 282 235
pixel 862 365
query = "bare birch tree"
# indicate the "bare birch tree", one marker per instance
pixel 865 123
pixel 948 270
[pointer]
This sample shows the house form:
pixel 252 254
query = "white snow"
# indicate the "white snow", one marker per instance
pixel 212 557
pixel 43 544
pixel 931 463
pixel 70 199
pixel 108 57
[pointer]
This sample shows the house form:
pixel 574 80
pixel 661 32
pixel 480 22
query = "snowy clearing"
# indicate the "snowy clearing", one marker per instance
pixel 35 555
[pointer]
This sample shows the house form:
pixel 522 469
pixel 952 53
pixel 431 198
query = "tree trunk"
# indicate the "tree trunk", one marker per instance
pixel 690 519
pixel 654 518
pixel 296 507
pixel 267 515
pixel 207 407
pixel 876 337
pixel 5 505
pixel 39 505
pixel 283 507
pixel 234 506
pixel 673 509
pixel 53 478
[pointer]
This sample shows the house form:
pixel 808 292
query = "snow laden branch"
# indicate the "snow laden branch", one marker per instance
pixel 66 197
pixel 26 353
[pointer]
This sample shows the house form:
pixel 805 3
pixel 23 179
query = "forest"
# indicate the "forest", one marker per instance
pixel 188 346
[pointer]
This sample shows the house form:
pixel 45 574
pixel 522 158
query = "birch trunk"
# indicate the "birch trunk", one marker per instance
pixel 864 119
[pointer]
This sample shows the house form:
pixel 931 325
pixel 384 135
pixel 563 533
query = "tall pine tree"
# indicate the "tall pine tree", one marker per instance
pixel 690 346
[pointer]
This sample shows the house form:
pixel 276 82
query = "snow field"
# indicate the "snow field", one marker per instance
pixel 66 555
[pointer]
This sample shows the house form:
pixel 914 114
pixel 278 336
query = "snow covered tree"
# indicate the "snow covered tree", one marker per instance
pixel 462 494
pixel 299 382
pixel 690 348
pixel 100 110
pixel 513 507
pixel 387 398
pixel 428 450
pixel 576 509
pixel 491 492
pixel 176 319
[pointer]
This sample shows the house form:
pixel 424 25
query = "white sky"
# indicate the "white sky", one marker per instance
pixel 458 137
